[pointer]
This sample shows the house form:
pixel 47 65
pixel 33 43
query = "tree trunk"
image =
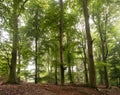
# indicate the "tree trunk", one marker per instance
pixel 36 46
pixel 85 65
pixel 14 27
pixel 19 67
pixel 104 51
pixel 56 79
pixel 119 82
pixel 91 65
pixel 69 60
pixel 36 60
pixel 101 76
pixel 12 74
pixel 60 42
pixel 48 61
pixel 69 69
pixel 106 77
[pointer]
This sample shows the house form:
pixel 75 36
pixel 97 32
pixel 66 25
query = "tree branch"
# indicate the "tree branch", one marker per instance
pixel 22 6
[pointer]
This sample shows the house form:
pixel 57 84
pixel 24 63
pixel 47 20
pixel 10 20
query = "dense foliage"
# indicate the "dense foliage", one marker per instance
pixel 46 41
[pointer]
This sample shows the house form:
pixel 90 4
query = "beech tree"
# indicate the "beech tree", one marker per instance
pixel 91 65
pixel 60 41
pixel 17 8
pixel 51 41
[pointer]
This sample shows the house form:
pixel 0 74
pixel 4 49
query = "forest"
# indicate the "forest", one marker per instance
pixel 65 45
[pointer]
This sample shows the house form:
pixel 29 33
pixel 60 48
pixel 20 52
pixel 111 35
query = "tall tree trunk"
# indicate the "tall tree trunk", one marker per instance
pixel 12 75
pixel 106 76
pixel 69 68
pixel 36 45
pixel 60 42
pixel 104 55
pixel 56 79
pixel 69 60
pixel 91 65
pixel 14 26
pixel 104 50
pixel 85 65
pixel 48 61
pixel 19 67
pixel 103 41
pixel 36 60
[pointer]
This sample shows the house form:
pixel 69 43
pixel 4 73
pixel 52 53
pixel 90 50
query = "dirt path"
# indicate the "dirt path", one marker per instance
pixel 111 91
pixel 38 89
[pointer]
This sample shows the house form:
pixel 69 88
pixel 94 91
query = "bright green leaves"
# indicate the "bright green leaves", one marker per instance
pixel 5 56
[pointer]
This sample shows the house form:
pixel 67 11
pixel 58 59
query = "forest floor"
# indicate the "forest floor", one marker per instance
pixel 50 89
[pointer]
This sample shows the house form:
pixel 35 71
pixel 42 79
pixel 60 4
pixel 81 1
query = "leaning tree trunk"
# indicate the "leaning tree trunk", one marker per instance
pixel 60 42
pixel 91 65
